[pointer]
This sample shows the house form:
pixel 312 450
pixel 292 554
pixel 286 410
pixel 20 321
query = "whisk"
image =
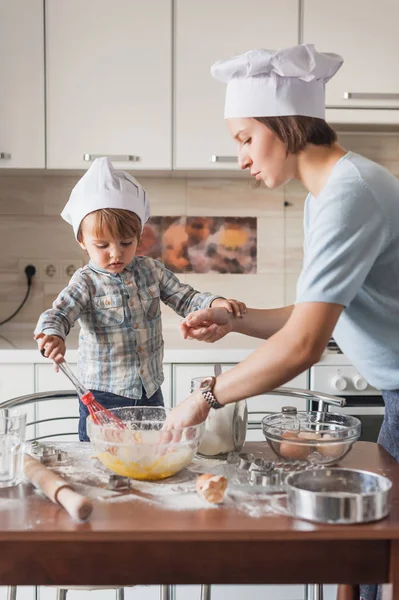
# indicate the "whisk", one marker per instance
pixel 99 414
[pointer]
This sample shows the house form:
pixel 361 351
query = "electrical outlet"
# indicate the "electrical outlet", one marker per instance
pixel 24 262
pixel 52 271
pixel 49 271
pixel 69 267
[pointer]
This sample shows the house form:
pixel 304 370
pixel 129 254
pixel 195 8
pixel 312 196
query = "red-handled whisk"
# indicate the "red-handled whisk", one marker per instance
pixel 99 414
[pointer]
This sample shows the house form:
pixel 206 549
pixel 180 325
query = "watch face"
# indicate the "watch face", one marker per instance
pixel 206 383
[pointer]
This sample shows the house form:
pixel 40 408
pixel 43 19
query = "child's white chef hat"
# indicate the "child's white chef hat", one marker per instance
pixel 102 186
pixel 272 83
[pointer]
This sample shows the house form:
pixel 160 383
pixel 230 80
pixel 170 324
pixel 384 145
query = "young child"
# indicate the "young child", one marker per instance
pixel 116 297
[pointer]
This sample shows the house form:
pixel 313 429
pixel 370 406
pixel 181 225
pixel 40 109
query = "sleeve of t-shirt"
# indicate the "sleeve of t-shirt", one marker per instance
pixel 346 233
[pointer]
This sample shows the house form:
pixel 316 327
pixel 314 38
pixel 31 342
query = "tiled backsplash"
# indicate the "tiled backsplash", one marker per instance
pixel 31 228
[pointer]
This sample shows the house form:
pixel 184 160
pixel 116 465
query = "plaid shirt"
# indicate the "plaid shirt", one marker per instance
pixel 120 341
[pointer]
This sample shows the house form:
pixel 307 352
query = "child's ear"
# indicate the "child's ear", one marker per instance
pixel 81 244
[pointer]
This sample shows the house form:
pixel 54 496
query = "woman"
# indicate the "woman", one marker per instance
pixel 349 284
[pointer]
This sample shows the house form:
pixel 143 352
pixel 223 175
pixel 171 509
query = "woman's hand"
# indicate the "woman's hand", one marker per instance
pixel 207 324
pixel 52 345
pixel 237 308
pixel 192 411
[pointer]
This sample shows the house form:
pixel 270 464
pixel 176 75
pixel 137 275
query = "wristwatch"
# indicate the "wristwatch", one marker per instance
pixel 206 389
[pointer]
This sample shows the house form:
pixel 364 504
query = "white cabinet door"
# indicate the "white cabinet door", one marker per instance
pixel 182 375
pixel 205 32
pixel 138 592
pixel 21 84
pixel 109 83
pixel 18 380
pixel 364 32
pixel 24 592
pixel 243 592
pixel 66 409
pixel 167 384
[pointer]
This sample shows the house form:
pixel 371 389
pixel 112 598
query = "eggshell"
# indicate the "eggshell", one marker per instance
pixel 211 487
pixel 332 450
pixel 291 451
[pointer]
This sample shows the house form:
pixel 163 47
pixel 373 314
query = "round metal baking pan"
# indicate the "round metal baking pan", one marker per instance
pixel 341 496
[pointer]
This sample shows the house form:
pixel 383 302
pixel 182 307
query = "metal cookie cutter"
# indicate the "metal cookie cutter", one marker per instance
pixel 48 455
pixel 118 483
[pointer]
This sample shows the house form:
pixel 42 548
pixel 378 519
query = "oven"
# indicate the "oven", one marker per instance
pixel 335 375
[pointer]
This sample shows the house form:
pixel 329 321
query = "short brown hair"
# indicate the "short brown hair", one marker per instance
pixel 120 223
pixel 296 131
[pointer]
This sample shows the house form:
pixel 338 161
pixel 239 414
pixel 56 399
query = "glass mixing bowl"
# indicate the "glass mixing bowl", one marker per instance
pixel 143 450
pixel 320 438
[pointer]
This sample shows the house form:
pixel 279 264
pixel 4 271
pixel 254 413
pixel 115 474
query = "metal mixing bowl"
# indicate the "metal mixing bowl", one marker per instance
pixel 338 495
pixel 321 438
pixel 143 450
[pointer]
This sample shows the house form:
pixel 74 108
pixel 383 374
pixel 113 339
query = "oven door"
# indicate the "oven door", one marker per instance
pixel 368 409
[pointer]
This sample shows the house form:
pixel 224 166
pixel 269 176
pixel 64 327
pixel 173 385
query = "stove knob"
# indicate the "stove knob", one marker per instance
pixel 360 383
pixel 339 383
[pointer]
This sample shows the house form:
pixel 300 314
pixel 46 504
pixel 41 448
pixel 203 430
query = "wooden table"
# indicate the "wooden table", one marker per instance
pixel 134 543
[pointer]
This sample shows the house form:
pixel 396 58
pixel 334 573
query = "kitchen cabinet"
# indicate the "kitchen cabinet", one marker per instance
pixel 108 72
pixel 138 592
pixel 167 384
pixel 66 409
pixel 21 84
pixel 18 380
pixel 364 32
pixel 205 32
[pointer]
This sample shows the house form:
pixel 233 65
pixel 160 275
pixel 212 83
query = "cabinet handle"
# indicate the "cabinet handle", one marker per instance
pixel 115 157
pixel 5 156
pixel 223 159
pixel 369 96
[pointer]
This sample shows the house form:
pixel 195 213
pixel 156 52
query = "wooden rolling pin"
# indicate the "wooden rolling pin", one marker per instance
pixel 57 489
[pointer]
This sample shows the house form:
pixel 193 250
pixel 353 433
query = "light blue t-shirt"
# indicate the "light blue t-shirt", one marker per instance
pixel 352 258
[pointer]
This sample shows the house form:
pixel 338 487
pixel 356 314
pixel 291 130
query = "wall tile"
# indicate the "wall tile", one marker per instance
pixel 35 237
pixel 378 147
pixel 295 195
pixel 257 291
pixel 270 245
pixel 293 245
pixel 167 196
pixel 22 195
pixel 233 197
pixel 290 281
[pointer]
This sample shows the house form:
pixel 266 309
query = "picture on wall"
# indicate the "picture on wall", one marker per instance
pixel 202 244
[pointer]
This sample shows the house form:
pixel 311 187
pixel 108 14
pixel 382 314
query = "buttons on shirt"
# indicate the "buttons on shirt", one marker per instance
pixel 140 349
pixel 131 302
pixel 151 292
pixel 128 282
pixel 142 372
pixel 136 325
pixel 107 302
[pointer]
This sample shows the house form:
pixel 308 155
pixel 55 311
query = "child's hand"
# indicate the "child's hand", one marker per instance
pixel 235 307
pixel 52 345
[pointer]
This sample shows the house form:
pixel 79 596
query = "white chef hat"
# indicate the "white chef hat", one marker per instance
pixel 271 83
pixel 102 186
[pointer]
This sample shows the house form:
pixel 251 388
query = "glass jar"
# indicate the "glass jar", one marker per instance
pixel 225 428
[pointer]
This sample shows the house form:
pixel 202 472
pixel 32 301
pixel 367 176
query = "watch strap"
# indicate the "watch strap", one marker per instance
pixel 211 400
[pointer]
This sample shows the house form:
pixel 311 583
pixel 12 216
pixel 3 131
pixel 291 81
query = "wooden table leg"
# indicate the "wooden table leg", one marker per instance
pixel 394 569
pixel 348 592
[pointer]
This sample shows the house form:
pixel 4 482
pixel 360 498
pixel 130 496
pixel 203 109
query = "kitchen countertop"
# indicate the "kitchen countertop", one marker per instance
pixel 18 346
pixel 136 542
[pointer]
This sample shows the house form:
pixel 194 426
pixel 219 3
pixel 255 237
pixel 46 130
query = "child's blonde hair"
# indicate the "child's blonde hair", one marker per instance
pixel 118 222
